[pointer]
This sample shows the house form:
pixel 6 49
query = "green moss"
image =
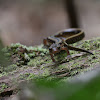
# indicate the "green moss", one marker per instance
pixel 28 55
pixel 39 57
pixel 10 68
pixel 2 87
pixel 24 58
pixel 3 74
pixel 36 62
pixel 23 54
pixel 31 76
pixel 26 76
pixel 62 66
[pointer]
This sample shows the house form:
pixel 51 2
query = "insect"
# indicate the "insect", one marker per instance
pixel 61 40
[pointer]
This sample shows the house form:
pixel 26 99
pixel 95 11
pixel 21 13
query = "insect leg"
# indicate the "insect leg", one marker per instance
pixel 78 49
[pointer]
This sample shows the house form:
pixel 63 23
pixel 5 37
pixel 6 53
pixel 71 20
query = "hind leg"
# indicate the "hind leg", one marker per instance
pixel 67 51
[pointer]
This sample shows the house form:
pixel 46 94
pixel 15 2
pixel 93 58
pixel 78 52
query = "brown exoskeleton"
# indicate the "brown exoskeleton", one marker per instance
pixel 61 41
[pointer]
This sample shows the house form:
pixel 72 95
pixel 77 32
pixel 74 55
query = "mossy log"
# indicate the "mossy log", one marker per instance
pixel 28 63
